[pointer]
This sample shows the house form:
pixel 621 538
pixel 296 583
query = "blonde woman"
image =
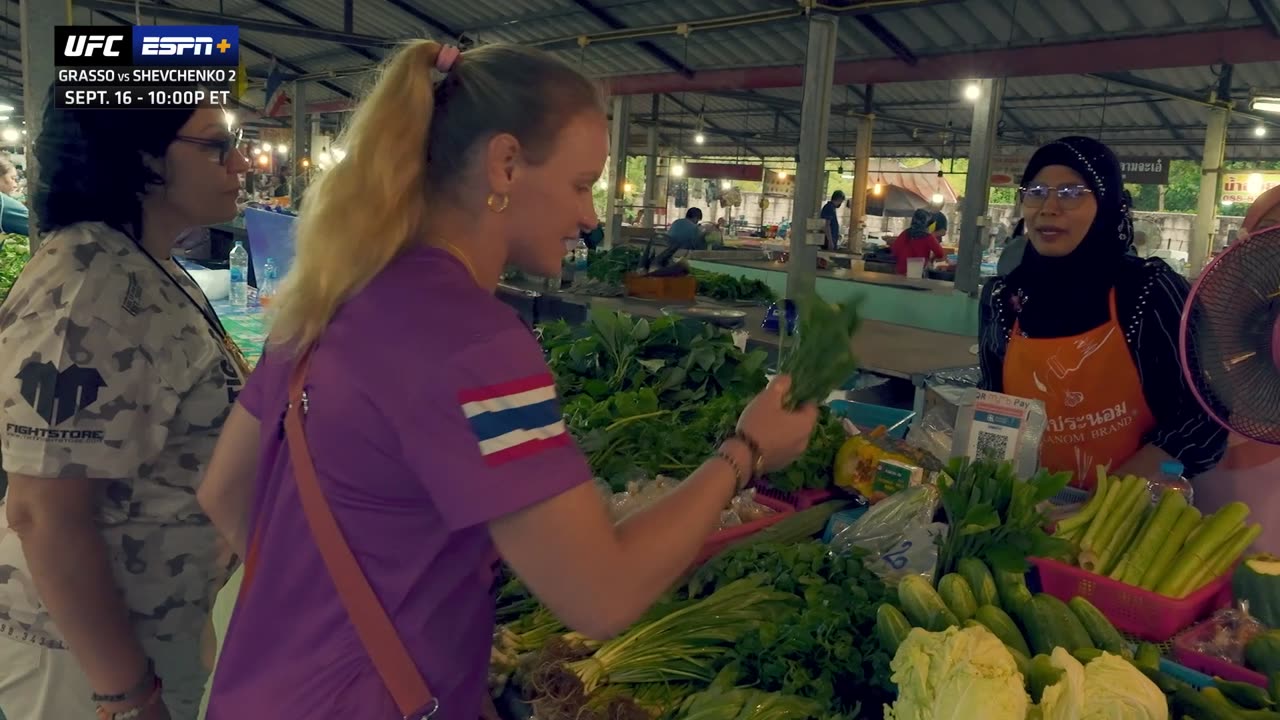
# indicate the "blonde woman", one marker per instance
pixel 430 414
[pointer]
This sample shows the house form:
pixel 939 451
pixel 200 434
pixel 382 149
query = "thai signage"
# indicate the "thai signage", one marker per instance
pixel 724 171
pixel 1245 186
pixel 1006 169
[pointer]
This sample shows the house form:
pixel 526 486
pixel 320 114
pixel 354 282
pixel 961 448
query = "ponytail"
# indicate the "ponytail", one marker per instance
pixel 363 212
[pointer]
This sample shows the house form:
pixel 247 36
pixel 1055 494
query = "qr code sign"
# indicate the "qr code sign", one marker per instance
pixel 992 446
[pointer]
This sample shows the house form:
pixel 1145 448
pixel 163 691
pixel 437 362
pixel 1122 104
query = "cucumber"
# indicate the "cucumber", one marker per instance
pixel 1243 694
pixel 971 623
pixel 978 575
pixel 1100 630
pixel 1202 706
pixel 1043 674
pixel 1086 655
pixel 1219 700
pixel 1003 627
pixel 1012 588
pixel 1273 685
pixel 1148 656
pixel 891 627
pixel 1072 632
pixel 1022 660
pixel 1162 680
pixel 923 606
pixel 1044 625
pixel 959 598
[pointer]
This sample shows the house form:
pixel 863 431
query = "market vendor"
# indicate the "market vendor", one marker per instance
pixel 1090 330
pixel 918 241
pixel 686 234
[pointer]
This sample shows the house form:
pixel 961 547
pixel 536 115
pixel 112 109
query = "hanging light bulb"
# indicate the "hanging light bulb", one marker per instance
pixel 677 169
pixel 938 199
pixel 306 162
pixel 628 187
pixel 725 184
pixel 699 138
pixel 1260 130
pixel 264 159
pixel 877 189
pixel 782 174
pixel 972 92
pixel 283 149
pixel 266 147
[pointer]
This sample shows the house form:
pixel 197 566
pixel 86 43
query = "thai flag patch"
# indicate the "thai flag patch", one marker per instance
pixel 515 419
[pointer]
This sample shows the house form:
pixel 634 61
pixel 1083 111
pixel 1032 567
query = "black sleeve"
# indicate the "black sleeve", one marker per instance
pixel 1182 428
pixel 991 337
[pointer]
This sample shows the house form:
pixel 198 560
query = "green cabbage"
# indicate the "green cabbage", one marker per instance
pixel 1109 688
pixel 956 675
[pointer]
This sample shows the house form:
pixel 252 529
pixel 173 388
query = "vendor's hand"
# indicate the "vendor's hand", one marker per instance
pixel 156 712
pixel 783 435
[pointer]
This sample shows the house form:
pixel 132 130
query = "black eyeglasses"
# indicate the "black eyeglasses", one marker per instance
pixel 1069 196
pixel 225 145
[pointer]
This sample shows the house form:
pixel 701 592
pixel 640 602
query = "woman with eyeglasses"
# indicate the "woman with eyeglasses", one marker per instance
pixel 1090 329
pixel 115 379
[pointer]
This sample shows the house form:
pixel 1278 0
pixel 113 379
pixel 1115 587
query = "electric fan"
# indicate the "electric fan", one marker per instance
pixel 1229 338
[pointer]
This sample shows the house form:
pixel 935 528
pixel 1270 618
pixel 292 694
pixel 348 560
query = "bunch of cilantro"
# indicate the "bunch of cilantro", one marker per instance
pixel 824 649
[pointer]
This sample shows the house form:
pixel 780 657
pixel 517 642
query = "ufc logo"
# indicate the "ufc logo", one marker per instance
pixel 86 45
pixel 176 45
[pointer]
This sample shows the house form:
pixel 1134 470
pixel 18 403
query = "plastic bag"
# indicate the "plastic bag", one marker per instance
pixel 898 534
pixel 1228 631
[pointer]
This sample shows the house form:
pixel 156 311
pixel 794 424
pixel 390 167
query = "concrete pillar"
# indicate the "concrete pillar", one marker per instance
pixel 815 114
pixel 977 187
pixel 299 149
pixel 37 19
pixel 861 182
pixel 1206 222
pixel 618 127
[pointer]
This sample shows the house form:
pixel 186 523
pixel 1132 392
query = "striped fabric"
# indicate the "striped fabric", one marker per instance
pixel 515 419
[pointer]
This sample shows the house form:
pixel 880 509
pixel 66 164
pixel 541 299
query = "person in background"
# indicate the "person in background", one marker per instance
pixel 13 214
pixel 1090 330
pixel 466 162
pixel 594 237
pixel 685 233
pixel 1013 250
pixel 114 383
pixel 832 216
pixel 917 241
pixel 939 226
pixel 1263 214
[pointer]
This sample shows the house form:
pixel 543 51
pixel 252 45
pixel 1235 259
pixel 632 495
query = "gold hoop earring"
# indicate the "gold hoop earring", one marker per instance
pixel 498 202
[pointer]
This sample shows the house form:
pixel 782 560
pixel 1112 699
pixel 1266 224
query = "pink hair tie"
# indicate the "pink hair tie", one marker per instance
pixel 446 58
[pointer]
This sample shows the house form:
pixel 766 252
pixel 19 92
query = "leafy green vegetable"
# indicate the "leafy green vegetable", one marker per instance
pixel 824 649
pixel 814 469
pixel 820 358
pixel 13 256
pixel 732 288
pixel 994 516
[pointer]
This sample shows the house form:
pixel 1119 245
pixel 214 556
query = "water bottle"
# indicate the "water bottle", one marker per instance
pixel 239 263
pixel 267 285
pixel 580 254
pixel 1170 478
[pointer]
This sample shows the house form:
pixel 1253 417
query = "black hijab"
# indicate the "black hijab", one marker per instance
pixel 919 223
pixel 1062 296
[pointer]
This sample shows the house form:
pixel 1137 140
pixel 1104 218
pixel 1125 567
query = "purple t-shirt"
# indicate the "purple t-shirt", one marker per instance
pixel 431 412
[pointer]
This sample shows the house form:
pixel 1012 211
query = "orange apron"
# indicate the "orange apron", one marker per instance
pixel 1092 396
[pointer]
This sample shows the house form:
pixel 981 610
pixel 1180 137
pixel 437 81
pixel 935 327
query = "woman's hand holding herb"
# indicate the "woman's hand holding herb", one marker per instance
pixel 783 435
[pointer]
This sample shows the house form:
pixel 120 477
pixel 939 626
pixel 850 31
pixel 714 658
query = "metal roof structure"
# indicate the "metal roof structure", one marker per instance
pixel 1138 75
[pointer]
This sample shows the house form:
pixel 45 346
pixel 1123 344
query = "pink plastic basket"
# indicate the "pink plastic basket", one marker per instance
pixel 800 499
pixel 1141 613
pixel 722 539
pixel 1185 654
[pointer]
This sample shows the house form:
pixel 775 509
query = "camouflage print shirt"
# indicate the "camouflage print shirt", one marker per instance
pixel 107 370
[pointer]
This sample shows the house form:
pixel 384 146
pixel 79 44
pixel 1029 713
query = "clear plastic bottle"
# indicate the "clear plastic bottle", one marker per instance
pixel 238 261
pixel 580 255
pixel 267 285
pixel 1170 478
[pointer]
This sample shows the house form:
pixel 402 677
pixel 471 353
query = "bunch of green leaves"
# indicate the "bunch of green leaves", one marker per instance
pixel 679 360
pixel 612 265
pixel 629 435
pixel 815 468
pixel 14 255
pixel 823 649
pixel 731 288
pixel 820 358
pixel 993 515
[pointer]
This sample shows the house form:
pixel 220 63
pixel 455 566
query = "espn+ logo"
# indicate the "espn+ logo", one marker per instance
pixel 149 45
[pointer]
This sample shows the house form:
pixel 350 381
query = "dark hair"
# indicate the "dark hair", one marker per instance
pixel 7 166
pixel 91 164
pixel 694 214
pixel 502 89
pixel 837 195
pixel 939 222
